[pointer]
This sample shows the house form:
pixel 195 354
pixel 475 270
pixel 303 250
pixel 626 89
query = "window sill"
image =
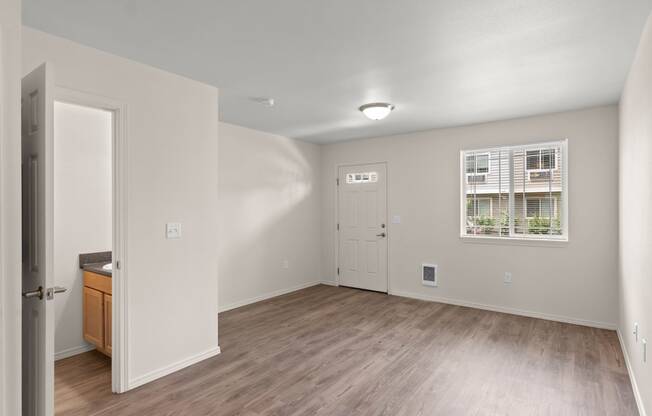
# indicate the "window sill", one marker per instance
pixel 514 241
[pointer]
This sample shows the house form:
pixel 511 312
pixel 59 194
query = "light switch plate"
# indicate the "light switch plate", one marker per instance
pixel 396 219
pixel 507 279
pixel 173 230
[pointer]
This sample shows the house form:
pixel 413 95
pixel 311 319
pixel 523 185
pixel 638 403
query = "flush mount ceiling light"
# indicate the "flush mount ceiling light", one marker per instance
pixel 376 111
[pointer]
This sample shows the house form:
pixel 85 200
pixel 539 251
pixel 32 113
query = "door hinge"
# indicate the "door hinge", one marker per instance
pixel 338 271
pixel 338 226
pixel 337 181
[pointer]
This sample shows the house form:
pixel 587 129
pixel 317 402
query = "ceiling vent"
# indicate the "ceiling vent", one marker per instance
pixel 429 274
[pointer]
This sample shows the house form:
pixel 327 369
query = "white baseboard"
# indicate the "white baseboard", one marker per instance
pixel 266 296
pixel 503 309
pixel 632 378
pixel 80 349
pixel 156 374
pixel 328 282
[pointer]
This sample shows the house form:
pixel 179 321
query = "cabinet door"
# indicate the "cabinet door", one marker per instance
pixel 108 328
pixel 94 317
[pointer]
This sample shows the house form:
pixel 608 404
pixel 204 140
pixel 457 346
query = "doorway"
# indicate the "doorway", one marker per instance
pixel 362 226
pixel 73 213
pixel 83 247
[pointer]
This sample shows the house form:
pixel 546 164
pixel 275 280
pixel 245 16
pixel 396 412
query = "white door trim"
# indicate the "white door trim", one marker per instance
pixel 337 218
pixel 10 218
pixel 120 351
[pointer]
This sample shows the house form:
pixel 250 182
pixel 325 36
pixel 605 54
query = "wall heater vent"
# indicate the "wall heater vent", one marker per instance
pixel 429 274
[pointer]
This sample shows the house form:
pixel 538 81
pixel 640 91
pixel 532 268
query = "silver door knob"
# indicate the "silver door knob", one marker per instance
pixel 49 294
pixel 59 289
pixel 38 293
pixel 383 235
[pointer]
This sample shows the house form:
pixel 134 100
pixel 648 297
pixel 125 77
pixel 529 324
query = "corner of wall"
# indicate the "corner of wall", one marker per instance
pixel 634 177
pixel 632 378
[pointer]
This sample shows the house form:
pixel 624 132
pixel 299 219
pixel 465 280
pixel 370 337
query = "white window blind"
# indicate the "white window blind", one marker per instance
pixel 515 192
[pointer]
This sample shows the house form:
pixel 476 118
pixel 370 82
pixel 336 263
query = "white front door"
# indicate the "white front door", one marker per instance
pixel 38 288
pixel 362 196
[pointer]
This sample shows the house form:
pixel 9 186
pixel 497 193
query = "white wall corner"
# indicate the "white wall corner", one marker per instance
pixel 632 376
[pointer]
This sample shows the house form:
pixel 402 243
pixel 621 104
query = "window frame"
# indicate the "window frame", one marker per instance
pixel 476 173
pixel 540 169
pixel 491 205
pixel 372 177
pixel 562 207
pixel 555 202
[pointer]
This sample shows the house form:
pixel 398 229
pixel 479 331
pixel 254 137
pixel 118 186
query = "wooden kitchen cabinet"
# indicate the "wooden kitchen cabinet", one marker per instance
pixel 98 305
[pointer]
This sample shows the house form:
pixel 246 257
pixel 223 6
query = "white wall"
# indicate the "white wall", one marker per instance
pixel 172 133
pixel 269 213
pixel 82 210
pixel 10 218
pixel 636 217
pixel 573 282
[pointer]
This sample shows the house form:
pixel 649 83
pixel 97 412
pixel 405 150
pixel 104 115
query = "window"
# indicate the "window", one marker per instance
pixel 477 163
pixel 363 177
pixel 479 207
pixel 521 195
pixel 540 207
pixel 541 159
pixel 477 167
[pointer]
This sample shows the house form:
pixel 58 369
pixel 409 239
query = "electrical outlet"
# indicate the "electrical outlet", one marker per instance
pixel 286 264
pixel 507 279
pixel 635 332
pixel 173 230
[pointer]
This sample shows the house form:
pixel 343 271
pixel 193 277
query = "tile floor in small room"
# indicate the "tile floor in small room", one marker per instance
pixel 337 351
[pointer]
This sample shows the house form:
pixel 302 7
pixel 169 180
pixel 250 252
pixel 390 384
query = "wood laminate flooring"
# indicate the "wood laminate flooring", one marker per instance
pixel 337 351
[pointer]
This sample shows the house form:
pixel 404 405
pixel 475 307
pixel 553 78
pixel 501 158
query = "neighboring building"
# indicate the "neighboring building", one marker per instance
pixel 537 187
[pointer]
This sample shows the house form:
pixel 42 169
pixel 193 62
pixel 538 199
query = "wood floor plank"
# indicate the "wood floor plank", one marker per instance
pixel 338 351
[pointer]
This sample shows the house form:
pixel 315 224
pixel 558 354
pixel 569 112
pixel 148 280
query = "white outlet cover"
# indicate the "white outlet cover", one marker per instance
pixel 508 277
pixel 644 341
pixel 173 230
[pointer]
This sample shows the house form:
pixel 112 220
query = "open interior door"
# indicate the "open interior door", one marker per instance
pixel 38 279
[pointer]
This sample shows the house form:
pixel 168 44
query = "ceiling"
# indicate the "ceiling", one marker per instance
pixel 441 62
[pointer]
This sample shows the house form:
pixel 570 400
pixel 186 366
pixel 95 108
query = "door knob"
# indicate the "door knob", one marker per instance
pixel 38 293
pixel 381 235
pixel 49 294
